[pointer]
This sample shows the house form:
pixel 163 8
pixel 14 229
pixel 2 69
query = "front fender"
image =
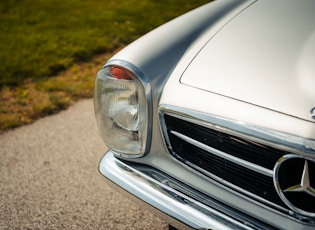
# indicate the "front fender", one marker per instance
pixel 157 53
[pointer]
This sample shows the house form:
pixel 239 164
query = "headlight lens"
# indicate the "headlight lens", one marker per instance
pixel 121 110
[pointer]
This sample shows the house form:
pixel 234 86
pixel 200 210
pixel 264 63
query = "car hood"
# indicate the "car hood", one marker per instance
pixel 264 56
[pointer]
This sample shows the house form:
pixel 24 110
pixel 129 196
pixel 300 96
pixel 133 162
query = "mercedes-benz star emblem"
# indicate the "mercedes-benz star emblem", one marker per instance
pixel 312 113
pixel 294 182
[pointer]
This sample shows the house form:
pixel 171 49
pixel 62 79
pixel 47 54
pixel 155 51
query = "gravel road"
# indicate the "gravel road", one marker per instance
pixel 49 178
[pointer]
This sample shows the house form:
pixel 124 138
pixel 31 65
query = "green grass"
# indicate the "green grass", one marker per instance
pixel 51 50
pixel 43 37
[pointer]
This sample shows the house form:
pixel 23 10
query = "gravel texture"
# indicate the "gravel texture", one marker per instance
pixel 49 178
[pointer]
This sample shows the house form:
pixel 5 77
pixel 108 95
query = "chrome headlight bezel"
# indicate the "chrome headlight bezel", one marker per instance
pixel 134 140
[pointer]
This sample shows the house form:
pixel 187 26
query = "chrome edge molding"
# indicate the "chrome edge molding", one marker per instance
pixel 183 210
pixel 272 138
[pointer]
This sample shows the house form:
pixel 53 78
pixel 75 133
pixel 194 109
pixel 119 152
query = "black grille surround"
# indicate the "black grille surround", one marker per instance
pixel 181 136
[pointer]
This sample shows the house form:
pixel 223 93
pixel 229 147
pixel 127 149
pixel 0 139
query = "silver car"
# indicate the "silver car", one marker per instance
pixel 210 118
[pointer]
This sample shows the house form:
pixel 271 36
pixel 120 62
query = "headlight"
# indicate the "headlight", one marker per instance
pixel 121 106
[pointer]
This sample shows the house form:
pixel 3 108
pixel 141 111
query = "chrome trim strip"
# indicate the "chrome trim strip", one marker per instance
pixel 241 162
pixel 272 138
pixel 171 203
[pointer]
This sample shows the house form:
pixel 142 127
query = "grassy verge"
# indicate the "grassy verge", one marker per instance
pixel 50 49
pixel 34 99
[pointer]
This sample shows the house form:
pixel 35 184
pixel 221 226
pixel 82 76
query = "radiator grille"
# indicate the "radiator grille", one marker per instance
pixel 220 168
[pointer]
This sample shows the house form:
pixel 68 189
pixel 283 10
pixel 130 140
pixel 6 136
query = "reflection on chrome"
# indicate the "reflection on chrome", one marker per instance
pixel 175 199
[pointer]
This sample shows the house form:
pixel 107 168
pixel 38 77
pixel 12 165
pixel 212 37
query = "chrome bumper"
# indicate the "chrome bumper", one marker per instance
pixel 159 192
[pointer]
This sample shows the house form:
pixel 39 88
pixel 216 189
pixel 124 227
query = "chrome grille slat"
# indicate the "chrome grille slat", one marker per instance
pixel 246 164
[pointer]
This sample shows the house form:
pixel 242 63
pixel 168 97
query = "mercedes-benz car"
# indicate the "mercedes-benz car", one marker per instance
pixel 210 118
